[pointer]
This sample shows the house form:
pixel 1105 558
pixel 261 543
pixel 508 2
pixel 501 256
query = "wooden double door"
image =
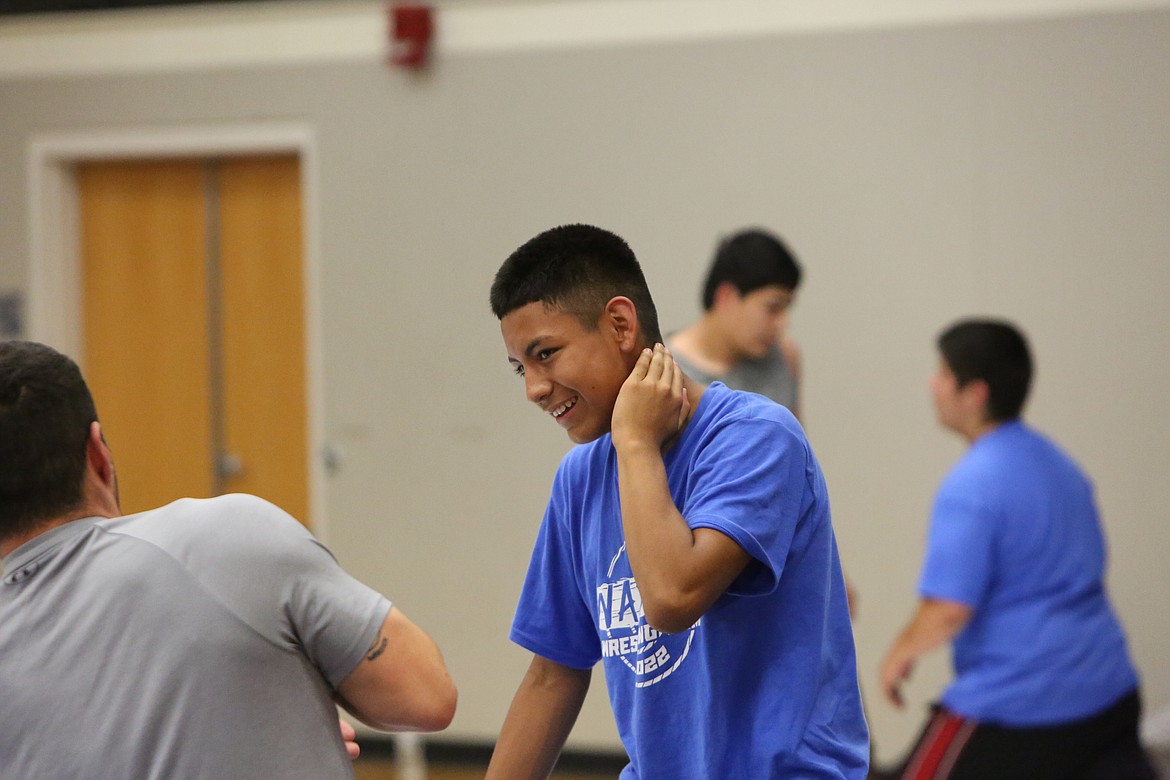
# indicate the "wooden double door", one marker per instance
pixel 194 325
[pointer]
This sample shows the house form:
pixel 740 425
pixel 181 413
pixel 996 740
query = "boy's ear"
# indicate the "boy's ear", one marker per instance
pixel 620 319
pixel 725 292
pixel 977 394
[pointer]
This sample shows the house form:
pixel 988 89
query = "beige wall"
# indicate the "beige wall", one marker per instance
pixel 1018 167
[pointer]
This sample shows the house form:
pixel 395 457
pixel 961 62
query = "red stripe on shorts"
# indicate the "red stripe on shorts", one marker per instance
pixel 940 745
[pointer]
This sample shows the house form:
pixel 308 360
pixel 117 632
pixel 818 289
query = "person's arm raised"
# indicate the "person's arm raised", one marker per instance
pixel 680 572
pixel 542 714
pixel 401 684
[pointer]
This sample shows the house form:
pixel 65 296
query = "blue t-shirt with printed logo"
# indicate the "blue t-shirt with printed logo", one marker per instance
pixel 764 685
pixel 1014 534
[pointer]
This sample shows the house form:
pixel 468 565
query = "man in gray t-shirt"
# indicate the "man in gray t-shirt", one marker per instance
pixel 205 639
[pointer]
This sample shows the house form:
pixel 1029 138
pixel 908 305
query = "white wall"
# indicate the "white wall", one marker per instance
pixel 925 163
pixel 214 36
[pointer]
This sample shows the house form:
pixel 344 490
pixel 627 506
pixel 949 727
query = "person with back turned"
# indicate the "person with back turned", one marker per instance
pixel 207 638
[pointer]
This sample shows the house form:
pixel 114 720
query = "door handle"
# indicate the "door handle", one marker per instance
pixel 228 465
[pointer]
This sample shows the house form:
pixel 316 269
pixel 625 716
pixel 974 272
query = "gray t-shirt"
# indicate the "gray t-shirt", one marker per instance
pixel 202 639
pixel 770 376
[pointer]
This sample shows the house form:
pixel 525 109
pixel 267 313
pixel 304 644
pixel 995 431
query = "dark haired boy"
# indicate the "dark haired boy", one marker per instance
pixel 1014 577
pixel 687 545
pixel 741 337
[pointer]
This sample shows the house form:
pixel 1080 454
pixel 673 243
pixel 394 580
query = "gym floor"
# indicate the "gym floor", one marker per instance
pixel 469 762
pixel 383 769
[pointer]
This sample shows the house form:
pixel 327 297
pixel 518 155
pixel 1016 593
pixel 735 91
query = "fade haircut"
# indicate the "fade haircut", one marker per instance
pixel 996 352
pixel 751 259
pixel 45 414
pixel 577 269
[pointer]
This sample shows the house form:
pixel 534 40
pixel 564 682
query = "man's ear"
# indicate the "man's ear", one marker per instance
pixel 98 454
pixel 620 319
pixel 101 480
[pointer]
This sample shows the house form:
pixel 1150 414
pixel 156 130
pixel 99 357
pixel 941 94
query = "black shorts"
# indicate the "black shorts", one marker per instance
pixel 1104 746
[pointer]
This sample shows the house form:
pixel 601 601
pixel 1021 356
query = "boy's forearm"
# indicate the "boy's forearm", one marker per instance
pixel 935 623
pixel 680 572
pixel 542 714
pixel 520 754
pixel 658 539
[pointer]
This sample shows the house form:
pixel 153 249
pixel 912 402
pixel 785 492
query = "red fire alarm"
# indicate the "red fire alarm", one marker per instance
pixel 412 27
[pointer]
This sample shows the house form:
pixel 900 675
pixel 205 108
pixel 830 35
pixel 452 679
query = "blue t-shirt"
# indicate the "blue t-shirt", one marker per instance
pixel 1014 534
pixel 764 685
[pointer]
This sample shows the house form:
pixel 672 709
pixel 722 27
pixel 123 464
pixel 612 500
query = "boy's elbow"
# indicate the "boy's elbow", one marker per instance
pixel 672 615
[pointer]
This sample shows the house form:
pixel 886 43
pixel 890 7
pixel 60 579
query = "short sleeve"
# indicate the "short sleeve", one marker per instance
pixel 551 619
pixel 258 562
pixel 960 548
pixel 335 617
pixel 751 481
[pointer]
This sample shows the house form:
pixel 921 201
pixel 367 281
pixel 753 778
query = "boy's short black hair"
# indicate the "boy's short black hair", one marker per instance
pixel 996 352
pixel 577 269
pixel 751 259
pixel 45 414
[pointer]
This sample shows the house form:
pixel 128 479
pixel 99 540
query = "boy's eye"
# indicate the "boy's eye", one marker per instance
pixel 540 356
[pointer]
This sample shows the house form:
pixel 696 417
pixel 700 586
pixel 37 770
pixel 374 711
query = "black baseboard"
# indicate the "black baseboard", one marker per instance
pixel 469 753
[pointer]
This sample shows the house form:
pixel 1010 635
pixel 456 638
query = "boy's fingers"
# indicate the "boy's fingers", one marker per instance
pixel 658 364
pixel 642 367
pixel 676 375
pixel 654 367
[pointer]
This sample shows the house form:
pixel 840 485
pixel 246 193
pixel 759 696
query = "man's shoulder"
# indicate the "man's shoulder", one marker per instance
pixel 230 519
pixel 226 506
pixel 1011 456
pixel 1012 448
pixel 976 467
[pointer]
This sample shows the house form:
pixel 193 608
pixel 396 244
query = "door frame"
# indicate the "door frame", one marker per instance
pixel 54 262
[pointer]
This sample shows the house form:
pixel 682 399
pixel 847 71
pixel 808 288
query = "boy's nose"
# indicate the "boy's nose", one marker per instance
pixel 536 387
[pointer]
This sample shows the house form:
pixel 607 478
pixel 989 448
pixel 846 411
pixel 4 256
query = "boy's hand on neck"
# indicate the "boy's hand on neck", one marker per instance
pixel 652 406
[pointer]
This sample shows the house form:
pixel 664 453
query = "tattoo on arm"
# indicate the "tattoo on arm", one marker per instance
pixel 377 648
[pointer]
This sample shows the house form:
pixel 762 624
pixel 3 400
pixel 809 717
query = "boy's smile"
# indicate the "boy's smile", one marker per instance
pixel 571 372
